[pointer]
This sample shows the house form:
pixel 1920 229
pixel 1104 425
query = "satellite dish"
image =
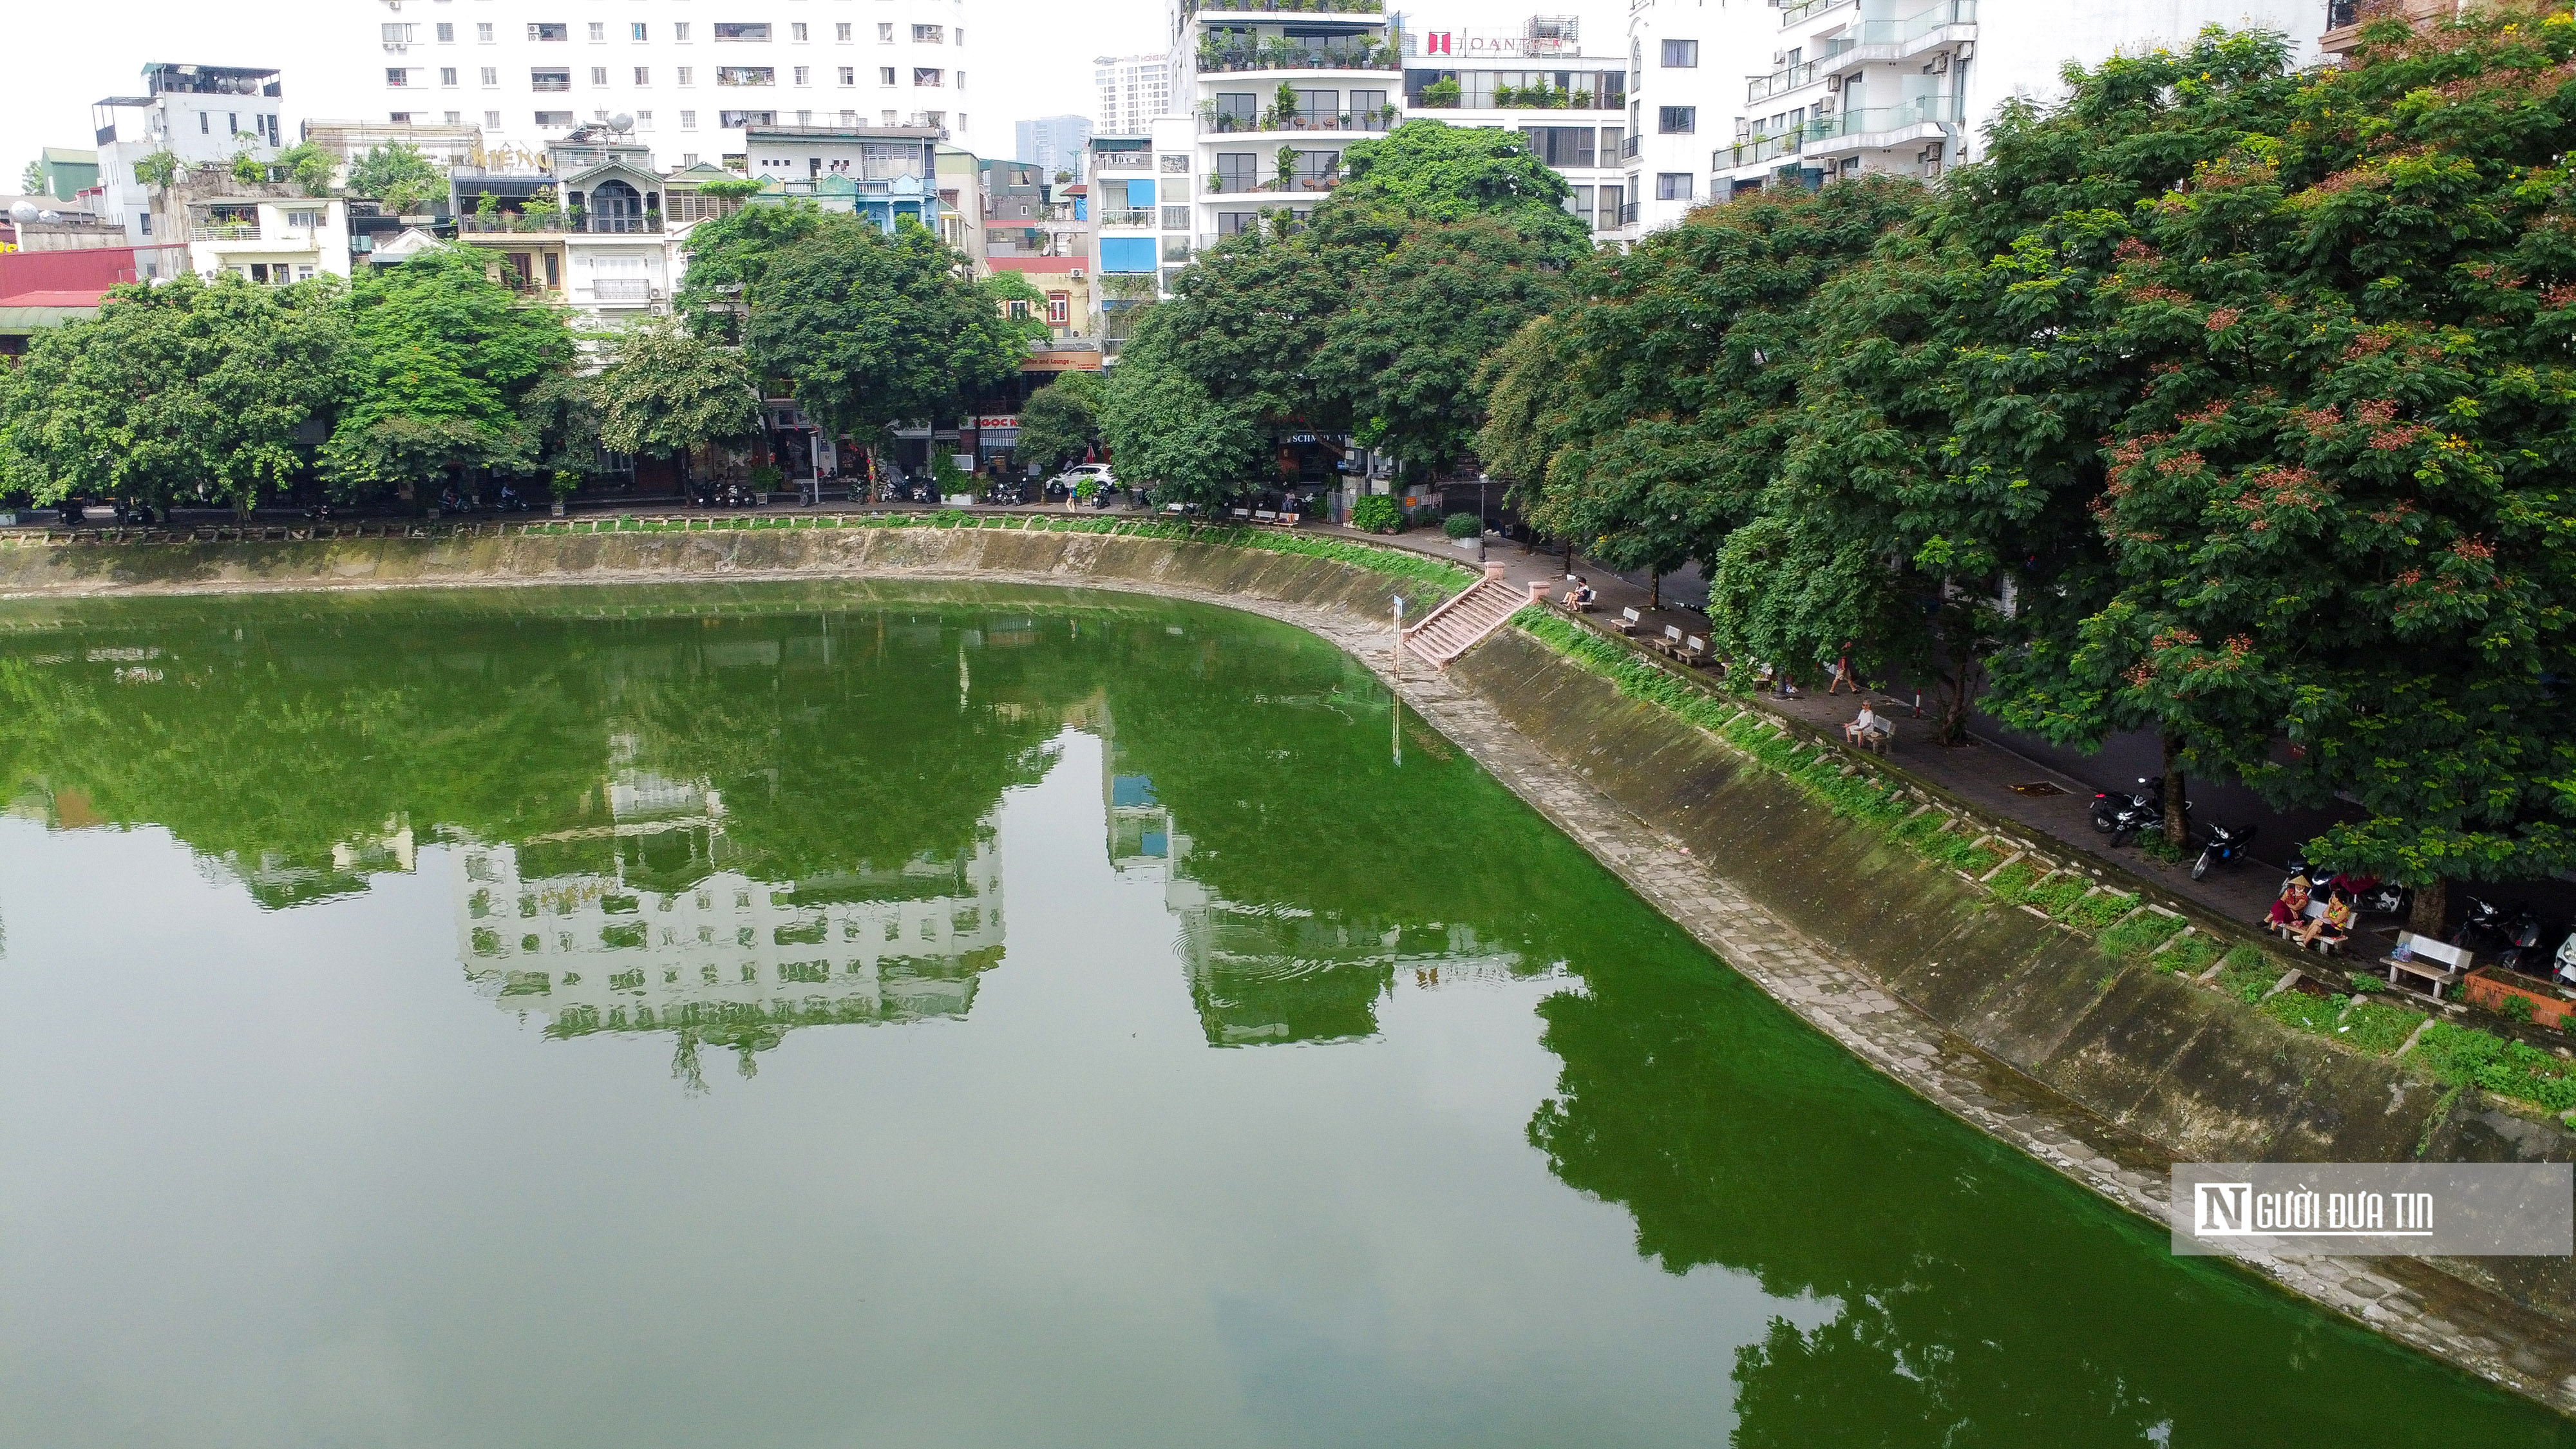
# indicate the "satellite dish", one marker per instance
pixel 23 212
pixel 621 122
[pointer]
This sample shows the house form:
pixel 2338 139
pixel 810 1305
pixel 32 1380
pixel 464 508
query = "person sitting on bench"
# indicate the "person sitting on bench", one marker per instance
pixel 1859 730
pixel 2335 924
pixel 2292 904
pixel 1580 597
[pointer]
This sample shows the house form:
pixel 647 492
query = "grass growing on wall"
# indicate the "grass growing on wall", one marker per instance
pixel 2135 938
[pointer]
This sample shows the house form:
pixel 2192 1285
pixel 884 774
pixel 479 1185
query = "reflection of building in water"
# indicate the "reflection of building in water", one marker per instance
pixel 276 881
pixel 1270 974
pixel 655 933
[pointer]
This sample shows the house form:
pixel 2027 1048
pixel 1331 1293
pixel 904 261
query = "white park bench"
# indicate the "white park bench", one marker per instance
pixel 2426 965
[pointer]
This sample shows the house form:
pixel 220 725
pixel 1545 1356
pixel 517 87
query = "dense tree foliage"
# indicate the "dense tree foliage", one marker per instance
pixel 398 175
pixel 446 357
pixel 1061 421
pixel 184 392
pixel 665 393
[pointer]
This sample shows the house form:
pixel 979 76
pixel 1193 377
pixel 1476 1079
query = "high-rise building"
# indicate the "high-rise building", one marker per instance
pixel 1054 143
pixel 1134 89
pixel 694 82
pixel 1728 98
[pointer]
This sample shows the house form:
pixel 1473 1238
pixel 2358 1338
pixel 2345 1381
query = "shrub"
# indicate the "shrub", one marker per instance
pixel 2463 1058
pixel 2375 1027
pixel 766 477
pixel 2190 956
pixel 2135 937
pixel 1462 525
pixel 1376 513
pixel 2515 1008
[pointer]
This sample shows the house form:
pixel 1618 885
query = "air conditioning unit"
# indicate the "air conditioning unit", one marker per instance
pixel 1833 83
pixel 1779 58
pixel 1940 65
pixel 1079 274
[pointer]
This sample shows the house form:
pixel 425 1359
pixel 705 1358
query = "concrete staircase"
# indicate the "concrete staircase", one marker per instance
pixel 1462 623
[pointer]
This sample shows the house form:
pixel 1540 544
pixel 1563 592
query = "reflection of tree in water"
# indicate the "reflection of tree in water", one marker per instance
pixel 1972 1289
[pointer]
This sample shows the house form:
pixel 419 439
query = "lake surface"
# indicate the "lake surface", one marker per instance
pixel 823 1017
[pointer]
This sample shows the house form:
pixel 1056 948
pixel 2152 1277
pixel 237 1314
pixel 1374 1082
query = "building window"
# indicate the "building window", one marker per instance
pixel 849 118
pixel 456 118
pixel 492 120
pixel 737 30
pixel 885 32
pixel 849 75
pixel 1561 146
pixel 804 75
pixel 1676 120
pixel 1672 186
pixel 680 31
pixel 637 31
pixel 446 34
pixel 447 75
pixel 922 75
pixel 796 32
pixel 746 75
pixel 928 35
pixel 1611 197
pixel 554 120
pixel 688 75
pixel 550 80
pixel 1176 218
pixel 885 77
pixel 1681 54
pixel 598 31
pixel 841 32
pixel 887 117
pixel 394 76
pixel 1059 309
pixel 1579 203
pixel 492 77
pixel 643 120
pixel 689 122
pixel 598 76
pixel 543 30
pixel 736 120
pixel 396 34
pixel 305 219
pixel 643 75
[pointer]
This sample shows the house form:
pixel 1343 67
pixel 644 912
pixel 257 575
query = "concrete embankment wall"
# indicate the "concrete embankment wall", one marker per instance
pixel 2192 1073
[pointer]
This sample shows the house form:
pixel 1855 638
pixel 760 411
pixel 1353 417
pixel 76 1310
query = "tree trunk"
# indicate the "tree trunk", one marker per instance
pixel 2177 823
pixel 2432 909
pixel 1654 589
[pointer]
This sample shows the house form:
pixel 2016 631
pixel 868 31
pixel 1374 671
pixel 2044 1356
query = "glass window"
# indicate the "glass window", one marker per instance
pixel 394 76
pixel 689 121
pixel 550 80
pixel 446 34
pixel 1676 120
pixel 1580 203
pixel 1236 110
pixel 1672 186
pixel 736 120
pixel 796 32
pixel 599 75
pixel 546 30
pixel 841 33
pixel 885 32
pixel 643 75
pixel 1176 218
pixel 447 75
pixel 599 30
pixel 492 77
pixel 1561 145
pixel 739 30
pixel 885 77
pixel 637 31
pixel 688 75
pixel 849 75
pixel 680 31
pixel 928 35
pixel 554 118
pixel 1681 54
pixel 804 75
pixel 926 75
pixel 746 75
pixel 483 32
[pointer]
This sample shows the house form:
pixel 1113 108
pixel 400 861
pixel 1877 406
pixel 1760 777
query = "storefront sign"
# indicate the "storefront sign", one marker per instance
pixel 997 420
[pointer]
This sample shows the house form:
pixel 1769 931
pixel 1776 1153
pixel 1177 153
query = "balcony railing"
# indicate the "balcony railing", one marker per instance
pixel 1808 10
pixel 1905 31
pixel 1137 216
pixel 1870 120
pixel 1765 148
pixel 650 224
pixel 1628 213
pixel 1628 148
pixel 1222 185
pixel 1780 82
pixel 622 289
pixel 1283 55
pixel 1122 161
pixel 1377 120
pixel 227 230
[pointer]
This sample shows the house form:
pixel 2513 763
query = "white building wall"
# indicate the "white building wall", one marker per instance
pixel 828 62
pixel 1133 90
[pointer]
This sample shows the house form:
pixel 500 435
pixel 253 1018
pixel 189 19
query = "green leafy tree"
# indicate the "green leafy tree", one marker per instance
pixel 158 170
pixel 446 355
pixel 1061 421
pixel 32 180
pixel 1167 431
pixel 873 328
pixel 398 175
pixel 1020 304
pixel 308 166
pixel 666 393
pixel 2336 507
pixel 730 253
pixel 1402 353
pixel 1430 171
pixel 182 392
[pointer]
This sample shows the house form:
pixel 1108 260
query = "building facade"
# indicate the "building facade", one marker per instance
pixel 199 114
pixel 1133 90
pixel 1274 97
pixel 1572 108
pixel 1730 98
pixel 695 82
pixel 1054 143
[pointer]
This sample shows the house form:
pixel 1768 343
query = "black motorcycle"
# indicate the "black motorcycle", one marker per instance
pixel 2486 925
pixel 2370 896
pixel 2225 846
pixel 2124 817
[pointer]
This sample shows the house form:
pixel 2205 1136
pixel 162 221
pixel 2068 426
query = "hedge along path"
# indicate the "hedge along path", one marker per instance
pixel 2129 930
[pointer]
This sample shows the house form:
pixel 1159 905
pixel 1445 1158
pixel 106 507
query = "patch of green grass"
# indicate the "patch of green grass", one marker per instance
pixel 2134 938
pixel 2095 912
pixel 2316 1015
pixel 2463 1056
pixel 2190 956
pixel 2059 893
pixel 2011 884
pixel 2377 1028
pixel 2247 972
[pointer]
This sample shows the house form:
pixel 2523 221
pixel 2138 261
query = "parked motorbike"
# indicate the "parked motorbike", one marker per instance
pixel 2566 960
pixel 2125 817
pixel 2370 896
pixel 2525 953
pixel 2225 846
pixel 2486 925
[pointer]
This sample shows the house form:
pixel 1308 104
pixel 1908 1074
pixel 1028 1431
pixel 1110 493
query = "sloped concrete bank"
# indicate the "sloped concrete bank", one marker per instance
pixel 2008 1021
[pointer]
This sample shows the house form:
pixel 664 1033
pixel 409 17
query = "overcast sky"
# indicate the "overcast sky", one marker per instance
pixel 61 56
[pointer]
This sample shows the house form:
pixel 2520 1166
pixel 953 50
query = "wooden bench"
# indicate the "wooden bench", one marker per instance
pixel 1694 652
pixel 1629 619
pixel 2433 964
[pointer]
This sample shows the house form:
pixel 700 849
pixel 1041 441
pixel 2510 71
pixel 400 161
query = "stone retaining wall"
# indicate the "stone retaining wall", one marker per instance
pixel 1916 970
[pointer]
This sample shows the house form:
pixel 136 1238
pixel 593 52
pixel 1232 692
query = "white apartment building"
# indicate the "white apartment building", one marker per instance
pixel 694 77
pixel 1275 96
pixel 1134 89
pixel 202 114
pixel 1572 108
pixel 1726 98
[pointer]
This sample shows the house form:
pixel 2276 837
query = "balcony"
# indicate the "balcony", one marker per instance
pixel 1289 55
pixel 1808 10
pixel 622 289
pixel 1628 148
pixel 1889 39
pixel 1286 7
pixel 1132 216
pixel 1268 121
pixel 1628 213
pixel 1122 161
pixel 1222 185
pixel 1821 131
pixel 226 230
pixel 1780 82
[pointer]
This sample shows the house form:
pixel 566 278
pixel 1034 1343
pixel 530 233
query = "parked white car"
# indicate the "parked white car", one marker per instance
pixel 1073 477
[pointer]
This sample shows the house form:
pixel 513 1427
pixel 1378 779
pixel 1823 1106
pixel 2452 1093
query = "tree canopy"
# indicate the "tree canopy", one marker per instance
pixel 1061 421
pixel 398 175
pixel 665 392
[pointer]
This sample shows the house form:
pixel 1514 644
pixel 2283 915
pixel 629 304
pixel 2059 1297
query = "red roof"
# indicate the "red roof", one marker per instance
pixel 78 277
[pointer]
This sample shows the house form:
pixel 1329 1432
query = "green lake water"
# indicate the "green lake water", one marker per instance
pixel 822 1017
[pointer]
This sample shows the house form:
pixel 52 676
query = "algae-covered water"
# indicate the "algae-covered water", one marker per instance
pixel 820 1017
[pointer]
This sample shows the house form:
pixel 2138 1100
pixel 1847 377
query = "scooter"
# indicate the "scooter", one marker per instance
pixel 2370 896
pixel 2109 809
pixel 2525 954
pixel 2486 924
pixel 2566 960
pixel 2225 846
